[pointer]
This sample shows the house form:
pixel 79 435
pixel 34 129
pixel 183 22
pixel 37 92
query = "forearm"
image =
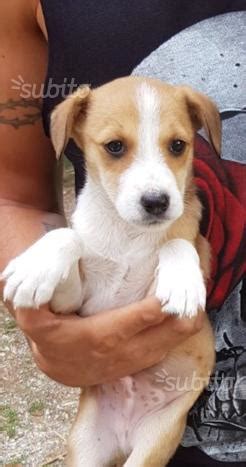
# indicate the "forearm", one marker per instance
pixel 20 226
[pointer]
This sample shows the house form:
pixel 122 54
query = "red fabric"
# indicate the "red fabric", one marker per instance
pixel 222 189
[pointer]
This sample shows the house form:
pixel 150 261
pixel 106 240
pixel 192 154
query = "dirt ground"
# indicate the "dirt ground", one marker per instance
pixel 35 412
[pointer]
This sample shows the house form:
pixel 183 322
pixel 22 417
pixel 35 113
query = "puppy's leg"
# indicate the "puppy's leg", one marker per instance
pixel 180 284
pixel 157 438
pixel 91 443
pixel 68 295
pixel 32 278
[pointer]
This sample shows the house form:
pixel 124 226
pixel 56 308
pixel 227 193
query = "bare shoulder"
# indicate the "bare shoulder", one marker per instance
pixel 26 14
pixel 18 12
pixel 41 20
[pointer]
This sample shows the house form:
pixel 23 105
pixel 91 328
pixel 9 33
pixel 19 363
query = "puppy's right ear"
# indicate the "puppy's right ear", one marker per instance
pixel 64 116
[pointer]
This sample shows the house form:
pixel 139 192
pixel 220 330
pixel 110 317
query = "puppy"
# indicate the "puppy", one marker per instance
pixel 136 222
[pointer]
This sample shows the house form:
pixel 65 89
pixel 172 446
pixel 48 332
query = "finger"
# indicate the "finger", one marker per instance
pixel 36 324
pixel 132 319
pixel 55 369
pixel 172 332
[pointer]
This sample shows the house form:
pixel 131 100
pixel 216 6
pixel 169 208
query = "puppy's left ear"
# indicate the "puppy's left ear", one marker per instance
pixel 204 114
pixel 65 115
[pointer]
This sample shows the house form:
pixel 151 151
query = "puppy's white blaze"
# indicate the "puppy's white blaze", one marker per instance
pixel 148 105
pixel 149 171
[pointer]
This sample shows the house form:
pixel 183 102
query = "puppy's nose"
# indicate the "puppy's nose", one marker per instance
pixel 155 203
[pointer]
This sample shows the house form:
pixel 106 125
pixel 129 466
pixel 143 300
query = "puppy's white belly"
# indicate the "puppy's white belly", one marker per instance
pixel 125 404
pixel 109 284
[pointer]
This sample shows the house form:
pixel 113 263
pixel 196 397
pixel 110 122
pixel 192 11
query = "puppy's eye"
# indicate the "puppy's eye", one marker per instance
pixel 177 147
pixel 115 148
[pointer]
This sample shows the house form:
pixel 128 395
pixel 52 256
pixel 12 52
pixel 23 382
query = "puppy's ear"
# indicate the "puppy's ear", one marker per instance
pixel 204 114
pixel 64 117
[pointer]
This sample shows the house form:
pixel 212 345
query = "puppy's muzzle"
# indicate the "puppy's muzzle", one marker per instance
pixel 155 204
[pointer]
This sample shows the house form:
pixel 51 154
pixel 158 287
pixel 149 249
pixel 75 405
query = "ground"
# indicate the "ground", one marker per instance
pixel 35 412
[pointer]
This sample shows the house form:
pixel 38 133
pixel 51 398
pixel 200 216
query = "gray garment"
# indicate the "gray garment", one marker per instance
pixel 211 57
pixel 217 422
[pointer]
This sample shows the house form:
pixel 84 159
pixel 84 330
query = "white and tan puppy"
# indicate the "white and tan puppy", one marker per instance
pixel 136 222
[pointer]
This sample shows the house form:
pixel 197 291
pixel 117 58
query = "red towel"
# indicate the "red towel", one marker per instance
pixel 221 186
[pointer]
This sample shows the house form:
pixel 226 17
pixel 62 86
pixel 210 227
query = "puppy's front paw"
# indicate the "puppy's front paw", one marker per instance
pixel 182 294
pixel 31 278
pixel 180 284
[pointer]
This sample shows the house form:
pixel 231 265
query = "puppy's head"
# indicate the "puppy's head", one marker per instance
pixel 137 136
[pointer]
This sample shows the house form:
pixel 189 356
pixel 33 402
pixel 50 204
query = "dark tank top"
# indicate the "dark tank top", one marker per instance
pixel 96 41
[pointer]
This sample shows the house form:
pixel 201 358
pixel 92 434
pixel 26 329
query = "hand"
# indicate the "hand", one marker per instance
pixel 86 351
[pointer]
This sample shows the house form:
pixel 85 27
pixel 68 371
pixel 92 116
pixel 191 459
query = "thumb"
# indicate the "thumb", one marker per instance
pixel 36 323
pixel 132 319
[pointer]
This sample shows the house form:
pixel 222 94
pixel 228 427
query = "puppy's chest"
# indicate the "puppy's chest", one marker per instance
pixel 117 277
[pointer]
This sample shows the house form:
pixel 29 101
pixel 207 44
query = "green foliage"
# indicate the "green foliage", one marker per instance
pixel 8 420
pixel 9 326
pixel 36 408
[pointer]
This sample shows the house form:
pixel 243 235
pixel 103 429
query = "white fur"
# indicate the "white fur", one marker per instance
pixel 119 260
pixel 180 287
pixel 149 172
pixel 33 277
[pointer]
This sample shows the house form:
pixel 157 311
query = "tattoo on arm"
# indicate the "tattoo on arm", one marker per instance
pixel 26 112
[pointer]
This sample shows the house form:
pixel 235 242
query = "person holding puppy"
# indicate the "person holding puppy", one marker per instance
pixel 113 40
